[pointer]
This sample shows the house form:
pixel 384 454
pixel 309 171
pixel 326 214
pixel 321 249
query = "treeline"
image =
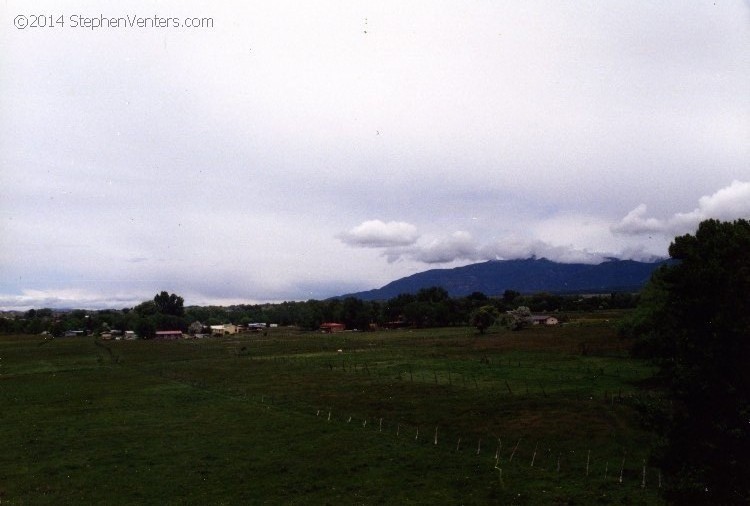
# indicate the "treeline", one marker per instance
pixel 430 307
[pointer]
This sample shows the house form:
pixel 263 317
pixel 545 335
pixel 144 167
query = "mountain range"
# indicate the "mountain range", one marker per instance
pixel 526 276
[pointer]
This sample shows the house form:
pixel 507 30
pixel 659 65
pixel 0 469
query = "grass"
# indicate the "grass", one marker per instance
pixel 285 418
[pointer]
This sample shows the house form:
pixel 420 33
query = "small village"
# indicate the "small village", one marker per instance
pixel 197 330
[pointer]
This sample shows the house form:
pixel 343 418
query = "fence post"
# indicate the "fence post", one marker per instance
pixel 514 450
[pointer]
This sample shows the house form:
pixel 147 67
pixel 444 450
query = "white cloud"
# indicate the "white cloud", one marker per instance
pixel 458 246
pixel 730 203
pixel 377 234
pixel 462 247
pixel 67 298
pixel 514 249
pixel 566 237
pixel 635 222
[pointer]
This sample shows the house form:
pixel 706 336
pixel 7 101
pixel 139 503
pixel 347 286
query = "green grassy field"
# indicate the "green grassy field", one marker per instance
pixel 435 416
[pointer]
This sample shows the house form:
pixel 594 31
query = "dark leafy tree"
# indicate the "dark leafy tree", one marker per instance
pixel 394 308
pixel 483 317
pixel 78 314
pixel 148 308
pixel 419 313
pixel 354 314
pixel 310 315
pixel 477 296
pixel 695 319
pixel 509 296
pixel 144 327
pixel 57 329
pixel 169 304
pixel 34 326
pixel 433 294
pixel 376 313
pixel 545 302
pixel 7 325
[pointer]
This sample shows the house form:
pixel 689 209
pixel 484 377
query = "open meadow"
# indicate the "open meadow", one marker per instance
pixel 424 416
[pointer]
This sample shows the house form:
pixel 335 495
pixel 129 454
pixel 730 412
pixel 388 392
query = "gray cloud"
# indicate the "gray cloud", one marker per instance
pixel 225 163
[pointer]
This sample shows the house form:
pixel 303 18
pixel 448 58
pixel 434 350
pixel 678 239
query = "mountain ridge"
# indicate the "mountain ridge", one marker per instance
pixel 529 275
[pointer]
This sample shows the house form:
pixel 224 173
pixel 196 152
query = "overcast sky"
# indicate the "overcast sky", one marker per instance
pixel 298 150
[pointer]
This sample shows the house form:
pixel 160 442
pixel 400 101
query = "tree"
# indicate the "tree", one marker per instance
pixel 509 296
pixel 516 319
pixel 544 301
pixel 477 296
pixel 148 308
pixel 169 304
pixel 311 315
pixel 432 294
pixel 394 308
pixel 695 320
pixel 144 327
pixel 483 317
pixel 195 328
pixel 354 314
pixel 419 313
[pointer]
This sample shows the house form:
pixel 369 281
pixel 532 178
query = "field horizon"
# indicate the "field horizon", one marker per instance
pixel 428 416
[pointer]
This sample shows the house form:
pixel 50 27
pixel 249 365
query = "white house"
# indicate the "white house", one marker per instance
pixel 220 330
pixel 543 320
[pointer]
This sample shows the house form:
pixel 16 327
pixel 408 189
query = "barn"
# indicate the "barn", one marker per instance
pixel 331 327
pixel 168 334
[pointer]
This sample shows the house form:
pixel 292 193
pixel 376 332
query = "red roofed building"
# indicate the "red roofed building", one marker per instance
pixel 332 327
pixel 168 334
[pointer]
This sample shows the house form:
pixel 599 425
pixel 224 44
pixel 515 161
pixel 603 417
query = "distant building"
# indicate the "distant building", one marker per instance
pixel 220 330
pixel 168 334
pixel 543 320
pixel 330 327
